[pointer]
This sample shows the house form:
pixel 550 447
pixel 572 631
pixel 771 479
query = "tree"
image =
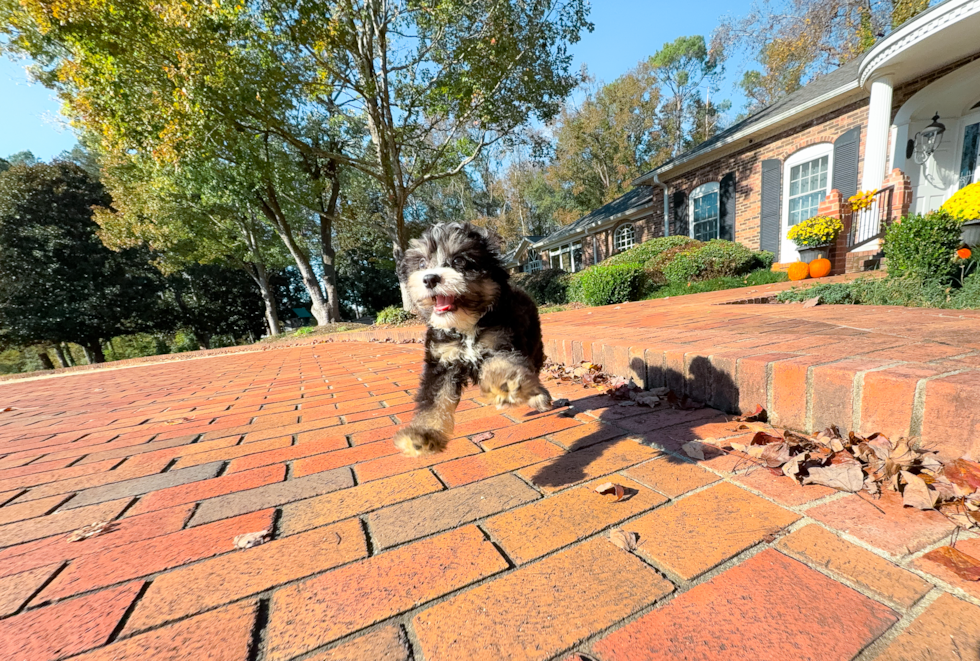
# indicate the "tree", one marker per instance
pixel 607 140
pixel 58 283
pixel 795 41
pixel 684 67
pixel 215 300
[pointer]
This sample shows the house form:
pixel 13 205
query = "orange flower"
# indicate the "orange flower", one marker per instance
pixel 963 253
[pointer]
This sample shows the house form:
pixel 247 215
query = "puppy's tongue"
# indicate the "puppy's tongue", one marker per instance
pixel 444 303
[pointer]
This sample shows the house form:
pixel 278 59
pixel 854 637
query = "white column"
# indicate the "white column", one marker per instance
pixel 879 124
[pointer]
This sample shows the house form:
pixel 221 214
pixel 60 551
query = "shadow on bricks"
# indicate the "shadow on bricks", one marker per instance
pixel 619 436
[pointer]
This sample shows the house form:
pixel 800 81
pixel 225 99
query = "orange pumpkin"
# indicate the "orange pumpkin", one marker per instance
pixel 819 267
pixel 798 271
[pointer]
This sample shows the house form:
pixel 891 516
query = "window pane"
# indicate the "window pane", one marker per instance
pixel 807 187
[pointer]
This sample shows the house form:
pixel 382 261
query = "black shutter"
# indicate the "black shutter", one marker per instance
pixel 771 205
pixel 726 207
pixel 681 227
pixel 846 150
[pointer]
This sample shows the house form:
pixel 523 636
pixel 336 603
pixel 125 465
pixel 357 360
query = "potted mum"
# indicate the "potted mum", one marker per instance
pixel 814 236
pixel 965 206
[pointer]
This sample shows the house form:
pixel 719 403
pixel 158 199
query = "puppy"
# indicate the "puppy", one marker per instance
pixel 480 330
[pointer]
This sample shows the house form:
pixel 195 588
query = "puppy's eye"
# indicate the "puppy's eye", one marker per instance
pixel 422 263
pixel 459 263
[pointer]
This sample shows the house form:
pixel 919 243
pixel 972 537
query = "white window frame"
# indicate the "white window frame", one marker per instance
pixel 619 244
pixel 788 248
pixel 566 256
pixel 703 191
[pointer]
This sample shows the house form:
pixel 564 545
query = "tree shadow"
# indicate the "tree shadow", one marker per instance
pixel 662 429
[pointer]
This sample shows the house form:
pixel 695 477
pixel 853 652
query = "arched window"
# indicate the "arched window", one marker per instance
pixel 625 237
pixel 704 212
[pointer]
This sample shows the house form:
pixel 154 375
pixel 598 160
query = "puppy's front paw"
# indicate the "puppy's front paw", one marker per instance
pixel 418 442
pixel 541 401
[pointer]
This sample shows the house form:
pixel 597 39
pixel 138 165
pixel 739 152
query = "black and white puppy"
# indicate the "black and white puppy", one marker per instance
pixel 480 330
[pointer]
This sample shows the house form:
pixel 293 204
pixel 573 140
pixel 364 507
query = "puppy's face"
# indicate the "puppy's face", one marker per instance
pixel 453 275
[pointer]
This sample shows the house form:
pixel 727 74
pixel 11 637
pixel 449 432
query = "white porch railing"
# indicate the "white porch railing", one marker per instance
pixel 870 222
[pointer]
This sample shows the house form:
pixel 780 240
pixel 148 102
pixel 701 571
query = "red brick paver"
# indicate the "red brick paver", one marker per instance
pixel 496 549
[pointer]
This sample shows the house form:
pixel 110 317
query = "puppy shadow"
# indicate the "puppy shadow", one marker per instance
pixel 661 428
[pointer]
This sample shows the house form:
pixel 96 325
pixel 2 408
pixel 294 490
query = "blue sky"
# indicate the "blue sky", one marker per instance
pixel 626 31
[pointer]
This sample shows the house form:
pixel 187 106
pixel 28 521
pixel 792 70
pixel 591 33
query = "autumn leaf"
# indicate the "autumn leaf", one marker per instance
pixel 917 493
pixel 844 477
pixel 91 530
pixel 485 436
pixel 759 415
pixel 622 539
pixel 765 438
pixel 607 487
pixel 694 450
pixel 965 566
pixel 250 539
pixel 964 474
pixel 775 455
pixel 811 302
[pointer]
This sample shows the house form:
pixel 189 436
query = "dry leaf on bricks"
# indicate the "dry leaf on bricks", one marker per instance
pixel 694 450
pixel 622 539
pixel 917 493
pixel 250 539
pixel 811 302
pixel 964 474
pixel 607 487
pixel 91 530
pixel 965 566
pixel 759 415
pixel 485 436
pixel 845 477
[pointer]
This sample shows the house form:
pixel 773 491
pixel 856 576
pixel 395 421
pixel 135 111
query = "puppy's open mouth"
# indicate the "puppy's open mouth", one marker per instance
pixel 444 304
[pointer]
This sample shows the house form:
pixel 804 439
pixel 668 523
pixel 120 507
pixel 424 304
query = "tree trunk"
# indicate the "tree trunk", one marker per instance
pixel 261 277
pixel 60 355
pixel 93 352
pixel 327 214
pixel 66 352
pixel 273 212
pixel 46 363
pixel 399 244
pixel 203 340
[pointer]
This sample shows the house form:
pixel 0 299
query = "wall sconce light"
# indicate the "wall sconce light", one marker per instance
pixel 924 144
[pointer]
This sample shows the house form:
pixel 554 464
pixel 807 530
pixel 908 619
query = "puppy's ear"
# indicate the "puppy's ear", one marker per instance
pixel 493 241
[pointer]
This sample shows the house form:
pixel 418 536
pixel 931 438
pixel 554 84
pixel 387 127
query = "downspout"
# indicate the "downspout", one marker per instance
pixel 663 186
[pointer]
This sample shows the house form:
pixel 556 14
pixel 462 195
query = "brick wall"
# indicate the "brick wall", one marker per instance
pixel 747 164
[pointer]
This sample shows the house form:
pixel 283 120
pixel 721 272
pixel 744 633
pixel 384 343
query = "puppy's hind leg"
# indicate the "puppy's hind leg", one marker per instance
pixel 508 380
pixel 434 419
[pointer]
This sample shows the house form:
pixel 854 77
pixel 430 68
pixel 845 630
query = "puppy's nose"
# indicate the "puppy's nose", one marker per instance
pixel 431 280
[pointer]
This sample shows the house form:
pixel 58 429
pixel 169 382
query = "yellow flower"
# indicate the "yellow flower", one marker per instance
pixel 965 203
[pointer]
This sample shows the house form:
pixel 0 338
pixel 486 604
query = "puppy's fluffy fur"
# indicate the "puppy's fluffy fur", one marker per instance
pixel 480 330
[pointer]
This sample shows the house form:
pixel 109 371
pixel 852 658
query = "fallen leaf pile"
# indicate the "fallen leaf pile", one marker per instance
pixel 91 530
pixel 250 539
pixel 855 463
pixel 627 393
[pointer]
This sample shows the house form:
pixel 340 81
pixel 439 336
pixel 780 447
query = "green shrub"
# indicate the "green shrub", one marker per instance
pixel 648 250
pixel 752 279
pixel 714 259
pixel 924 246
pixel 546 287
pixel 607 285
pixel 393 314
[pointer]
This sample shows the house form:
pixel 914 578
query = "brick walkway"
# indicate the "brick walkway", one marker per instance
pixel 495 550
pixel 898 371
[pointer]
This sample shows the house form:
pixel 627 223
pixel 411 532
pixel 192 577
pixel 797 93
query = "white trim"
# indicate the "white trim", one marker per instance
pixel 544 244
pixel 616 234
pixel 876 138
pixel 811 153
pixel 699 192
pixel 918 29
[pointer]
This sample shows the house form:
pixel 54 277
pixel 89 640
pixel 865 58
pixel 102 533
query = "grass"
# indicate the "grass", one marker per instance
pixel 753 279
pixel 907 291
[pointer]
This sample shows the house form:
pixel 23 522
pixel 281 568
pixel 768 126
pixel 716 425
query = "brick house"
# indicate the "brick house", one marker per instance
pixel 863 127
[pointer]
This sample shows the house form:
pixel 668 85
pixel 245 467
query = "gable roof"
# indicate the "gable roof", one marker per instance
pixel 627 203
pixel 510 258
pixel 813 95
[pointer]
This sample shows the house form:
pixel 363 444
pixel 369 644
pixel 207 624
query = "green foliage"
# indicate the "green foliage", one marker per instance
pixel 184 341
pixel 305 330
pixel 924 246
pixel 136 346
pixel 393 314
pixel 57 281
pixel 608 285
pixel 910 290
pixel 713 259
pixel 648 250
pixel 762 276
pixel 214 301
pixel 546 287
